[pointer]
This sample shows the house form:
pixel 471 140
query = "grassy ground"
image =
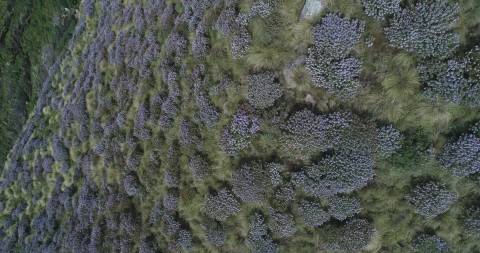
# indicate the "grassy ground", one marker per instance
pixel 392 94
pixel 32 34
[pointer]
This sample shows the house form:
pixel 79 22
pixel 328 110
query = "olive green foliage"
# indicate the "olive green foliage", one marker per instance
pixel 32 35
pixel 126 149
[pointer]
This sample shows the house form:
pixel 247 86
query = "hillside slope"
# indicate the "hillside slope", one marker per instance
pixel 236 126
pixel 32 35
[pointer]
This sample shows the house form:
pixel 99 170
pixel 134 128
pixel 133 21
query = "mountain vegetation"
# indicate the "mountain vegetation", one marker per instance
pixel 240 126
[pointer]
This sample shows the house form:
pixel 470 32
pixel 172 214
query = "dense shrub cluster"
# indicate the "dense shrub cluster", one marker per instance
pixel 171 177
pixel 208 114
pixel 176 44
pixel 226 23
pixel 335 37
pixel 170 224
pixel 250 183
pixel 240 43
pixel 60 152
pixel 170 200
pixel 330 62
pixel 184 240
pixel 353 236
pixel 263 90
pixel 200 43
pixel 47 163
pixel 281 224
pixel 343 207
pixel 156 212
pixel 274 170
pixel 387 140
pixel 238 134
pixel 343 172
pixel 258 239
pixel 453 80
pixel 431 199
pixel 242 39
pixel 232 24
pixel 221 205
pixel 194 12
pixel 448 81
pixel 259 8
pixel 221 87
pixel 215 233
pixel 429 243
pixel 425 29
pixel 140 129
pixel 340 78
pixel 143 142
pixel 310 133
pixel 199 167
pixel 378 9
pixel 313 214
pixel 462 157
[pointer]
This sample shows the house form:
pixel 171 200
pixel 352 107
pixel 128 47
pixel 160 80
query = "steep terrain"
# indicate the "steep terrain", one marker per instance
pixel 237 126
pixel 32 35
